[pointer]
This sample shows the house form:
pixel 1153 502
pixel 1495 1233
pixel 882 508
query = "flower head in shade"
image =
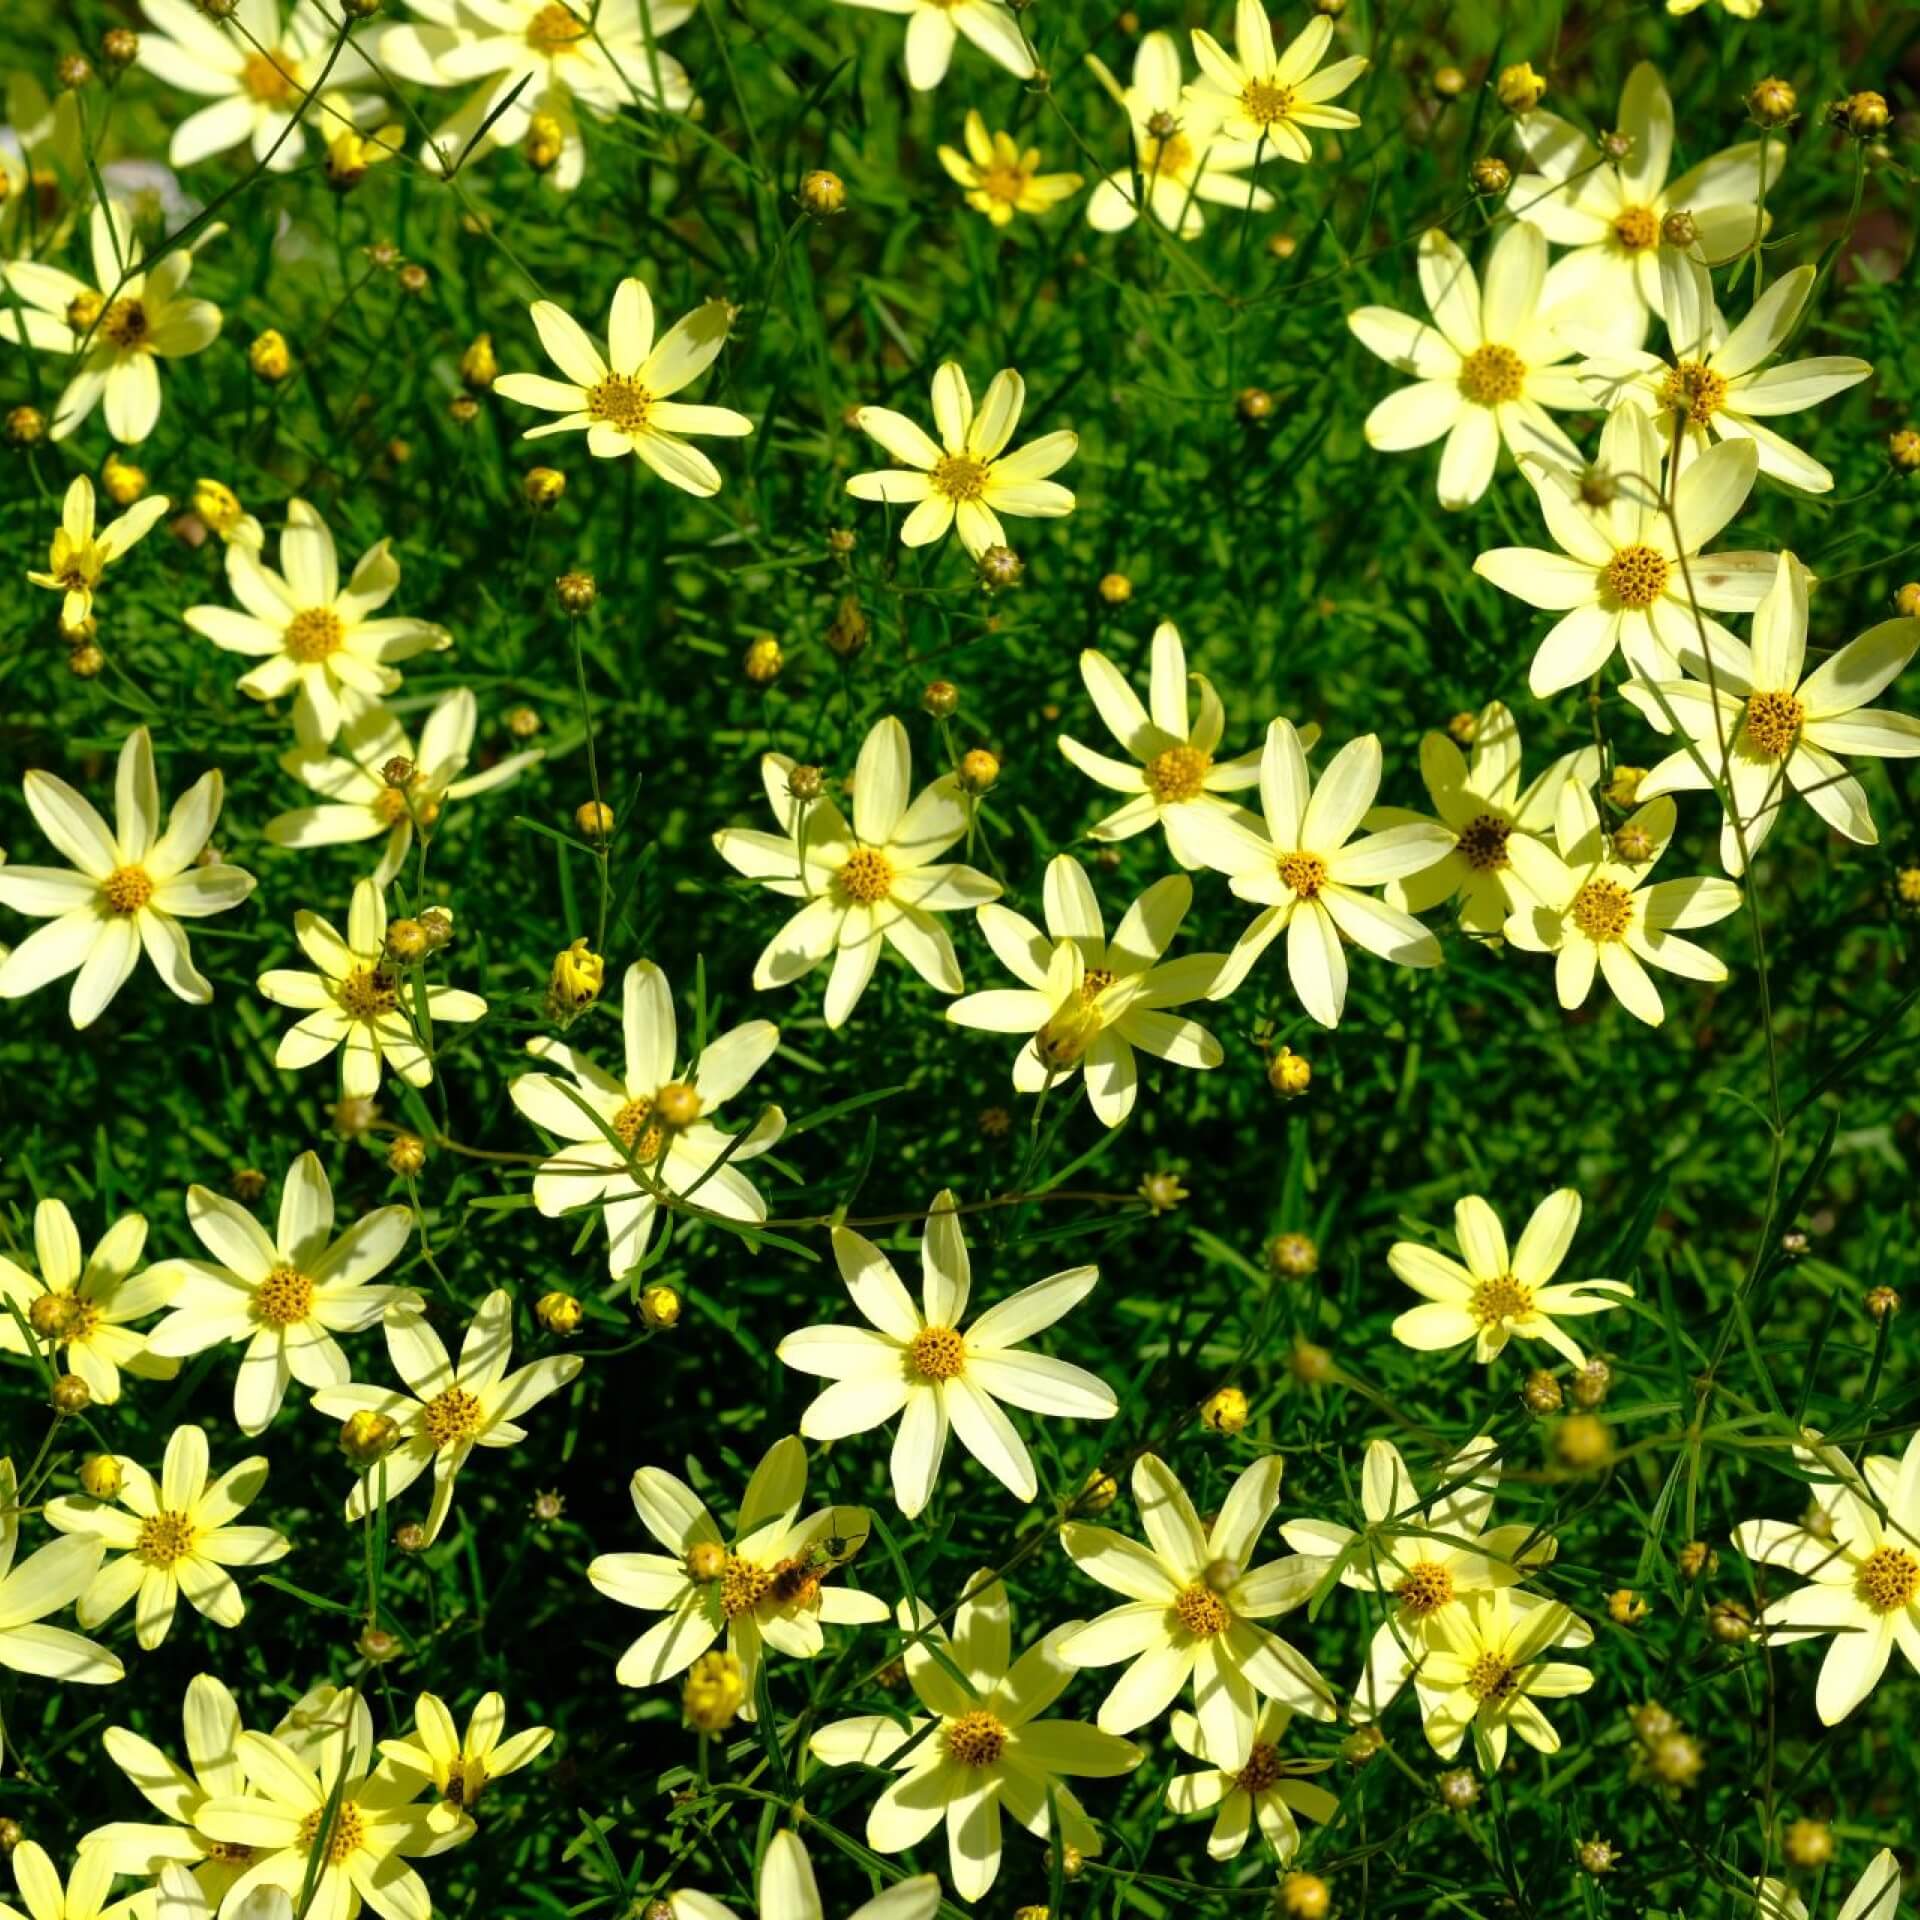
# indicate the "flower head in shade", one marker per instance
pixel 1001 178
pixel 771 1583
pixel 83 1896
pixel 1489 1668
pixel 935 27
pixel 787 1891
pixel 1488 1296
pixel 1194 1606
pixel 876 882
pixel 286 1297
pixel 623 400
pixel 646 1131
pixel 79 555
pixel 1268 98
pixel 129 887
pixel 965 477
pixel 1088 1002
pixel 918 1362
pixel 449 1407
pixel 462 1766
pixel 979 1745
pixel 1271 1791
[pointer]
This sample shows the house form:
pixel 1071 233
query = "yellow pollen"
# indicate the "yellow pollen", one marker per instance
pixel 975 1739
pixel 450 1416
pixel 1491 1678
pixel 1171 158
pixel 390 804
pixel 1602 910
pixel 1636 229
pixel 1262 1771
pixel 127 889
pixel 344 1837
pixel 1201 1611
pixel 368 993
pixel 1178 774
pixel 164 1538
pixel 742 1585
pixel 937 1353
pixel 1305 873
pixel 1490 375
pixel 1265 103
pixel 283 1298
pixel 268 77
pixel 867 876
pixel 1637 576
pixel 1483 843
pixel 1095 982
pixel 315 635
pixel 1773 723
pixel 1427 1588
pixel 1004 181
pixel 630 1123
pixel 1888 1579
pixel 1694 390
pixel 1503 1299
pixel 125 323
pixel 554 29
pixel 622 402
pixel 959 476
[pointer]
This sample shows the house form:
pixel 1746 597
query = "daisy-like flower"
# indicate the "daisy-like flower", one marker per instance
pixel 85 1306
pixel 129 888
pixel 1481 802
pixel 979 1745
pixel 117 331
pixel 360 1002
pixel 1495 1294
pixel 43 1584
pixel 1862 1570
pixel 787 1890
pixel 1717 380
pixel 1267 98
pixel 1876 1894
pixel 1001 178
pixel 659 1113
pixel 919 1363
pixel 1269 1790
pixel 1488 1668
pixel 79 555
pixel 770 1585
pixel 1306 877
pixel 285 1298
pixel 170 1539
pixel 966 478
pixel 361 803
pixel 1594 911
pixel 314 639
pixel 1089 1003
pixel 1179 159
pixel 448 1409
pixel 82 1897
pixel 1620 579
pixel 934 26
pixel 462 1766
pixel 1194 1604
pixel 1613 214
pixel 326 1805
pixel 1767 726
pixel 624 401
pixel 1488 364
pixel 880 881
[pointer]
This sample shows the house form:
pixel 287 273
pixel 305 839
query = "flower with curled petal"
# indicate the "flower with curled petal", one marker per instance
pixel 1266 98
pixel 935 27
pixel 1270 1790
pixel 79 555
pixel 1488 1668
pixel 787 1890
pixel 462 1766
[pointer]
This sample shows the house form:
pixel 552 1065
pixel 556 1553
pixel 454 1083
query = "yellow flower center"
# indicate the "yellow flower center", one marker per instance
pixel 866 877
pixel 630 1123
pixel 1201 1611
pixel 367 993
pixel 742 1585
pixel 554 29
pixel 1602 909
pixel 1262 1771
pixel 1636 229
pixel 268 77
pixel 127 889
pixel 1264 103
pixel 937 1353
pixel 1490 375
pixel 125 323
pixel 1305 873
pixel 451 1416
pixel 1483 843
pixel 959 476
pixel 621 401
pixel 1888 1579
pixel 1503 1299
pixel 283 1298
pixel 1428 1586
pixel 1637 576
pixel 1694 390
pixel 165 1537
pixel 314 635
pixel 1773 723
pixel 1171 158
pixel 344 1837
pixel 975 1739
pixel 1004 180
pixel 1491 1677
pixel 1178 774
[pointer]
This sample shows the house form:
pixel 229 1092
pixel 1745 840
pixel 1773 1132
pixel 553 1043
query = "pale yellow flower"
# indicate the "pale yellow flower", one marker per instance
pixel 79 555
pixel 1488 1668
pixel 1001 178
pixel 1267 98
pixel 462 1766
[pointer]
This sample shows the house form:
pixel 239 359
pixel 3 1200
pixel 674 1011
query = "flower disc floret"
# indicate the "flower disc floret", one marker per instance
pixel 1201 1611
pixel 1427 1588
pixel 1602 910
pixel 1773 723
pixel 1491 374
pixel 976 1739
pixel 937 1353
pixel 1503 1299
pixel 1889 1579
pixel 1637 576
pixel 284 1297
pixel 1304 873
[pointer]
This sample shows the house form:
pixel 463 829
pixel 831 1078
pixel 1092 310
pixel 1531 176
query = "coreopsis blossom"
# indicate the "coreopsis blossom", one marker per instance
pixel 934 26
pixel 787 1890
pixel 315 639
pixel 360 1002
pixel 1269 1791
pixel 284 1297
pixel 1266 98
pixel 1862 1570
pixel 128 888
pixel 1488 364
pixel 1717 381
pixel 448 1408
pixel 258 71
pixel 1089 1003
pixel 966 478
pixel 1613 214
pixel 79 555
pixel 877 882
pixel 769 1584
pixel 171 1538
pixel 1002 178
pixel 1480 801
pixel 116 331
pixel 462 1766
pixel 1594 911
pixel 83 1896
pixel 1487 1669
pixel 360 801
pixel 539 62
pixel 221 513
pixel 978 1745
pixel 1305 871
pixel 43 1584
pixel 1194 1606
pixel 1179 158
pixel 920 1363
pixel 1490 1295
pixel 325 1808
pixel 1765 726
pixel 624 401
pixel 1876 1894
pixel 659 1115
pixel 1622 580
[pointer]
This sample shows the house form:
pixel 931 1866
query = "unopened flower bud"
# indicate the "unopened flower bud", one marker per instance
pixel 849 631
pixel 55 1317
pixel 247 1184
pixel 1597 1856
pixel 576 592
pixel 122 482
pixel 366 1436
pixel 1457 1788
pixel 714 1692
pixel 1490 174
pixel 1001 567
pixel 1591 1383
pixel 762 661
pixel 706 1562
pixel 437 923
pixel 1772 103
pixel 270 357
pixel 1099 1493
pixel 1541 1394
pixel 1225 1411
pixel 1310 1365
pixel 101 1476
pixel 823 194
pixel 541 487
pixel 1519 89
pixel 1293 1256
pixel 594 819
pixel 1253 404
pixel 26 426
pixel 1882 1302
pixel 1808 1843
pixel 1696 1558
pixel 1903 450
pixel 1304 1896
pixel 407 1155
pixel 1289 1074
pixel 1361 1745
pixel 1583 1443
pixel 411 1538
pixel 1863 114
pixel 578 976
pixel 1625 1607
pixel 559 1313
pixel 73 71
pixel 479 367
pixel 1906 601
pixel 978 770
pixel 941 698
pixel 406 941
pixel 1115 589
pixel 660 1308
pixel 1162 1191
pixel 1679 229
pixel 1730 1623
pixel 1449 82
